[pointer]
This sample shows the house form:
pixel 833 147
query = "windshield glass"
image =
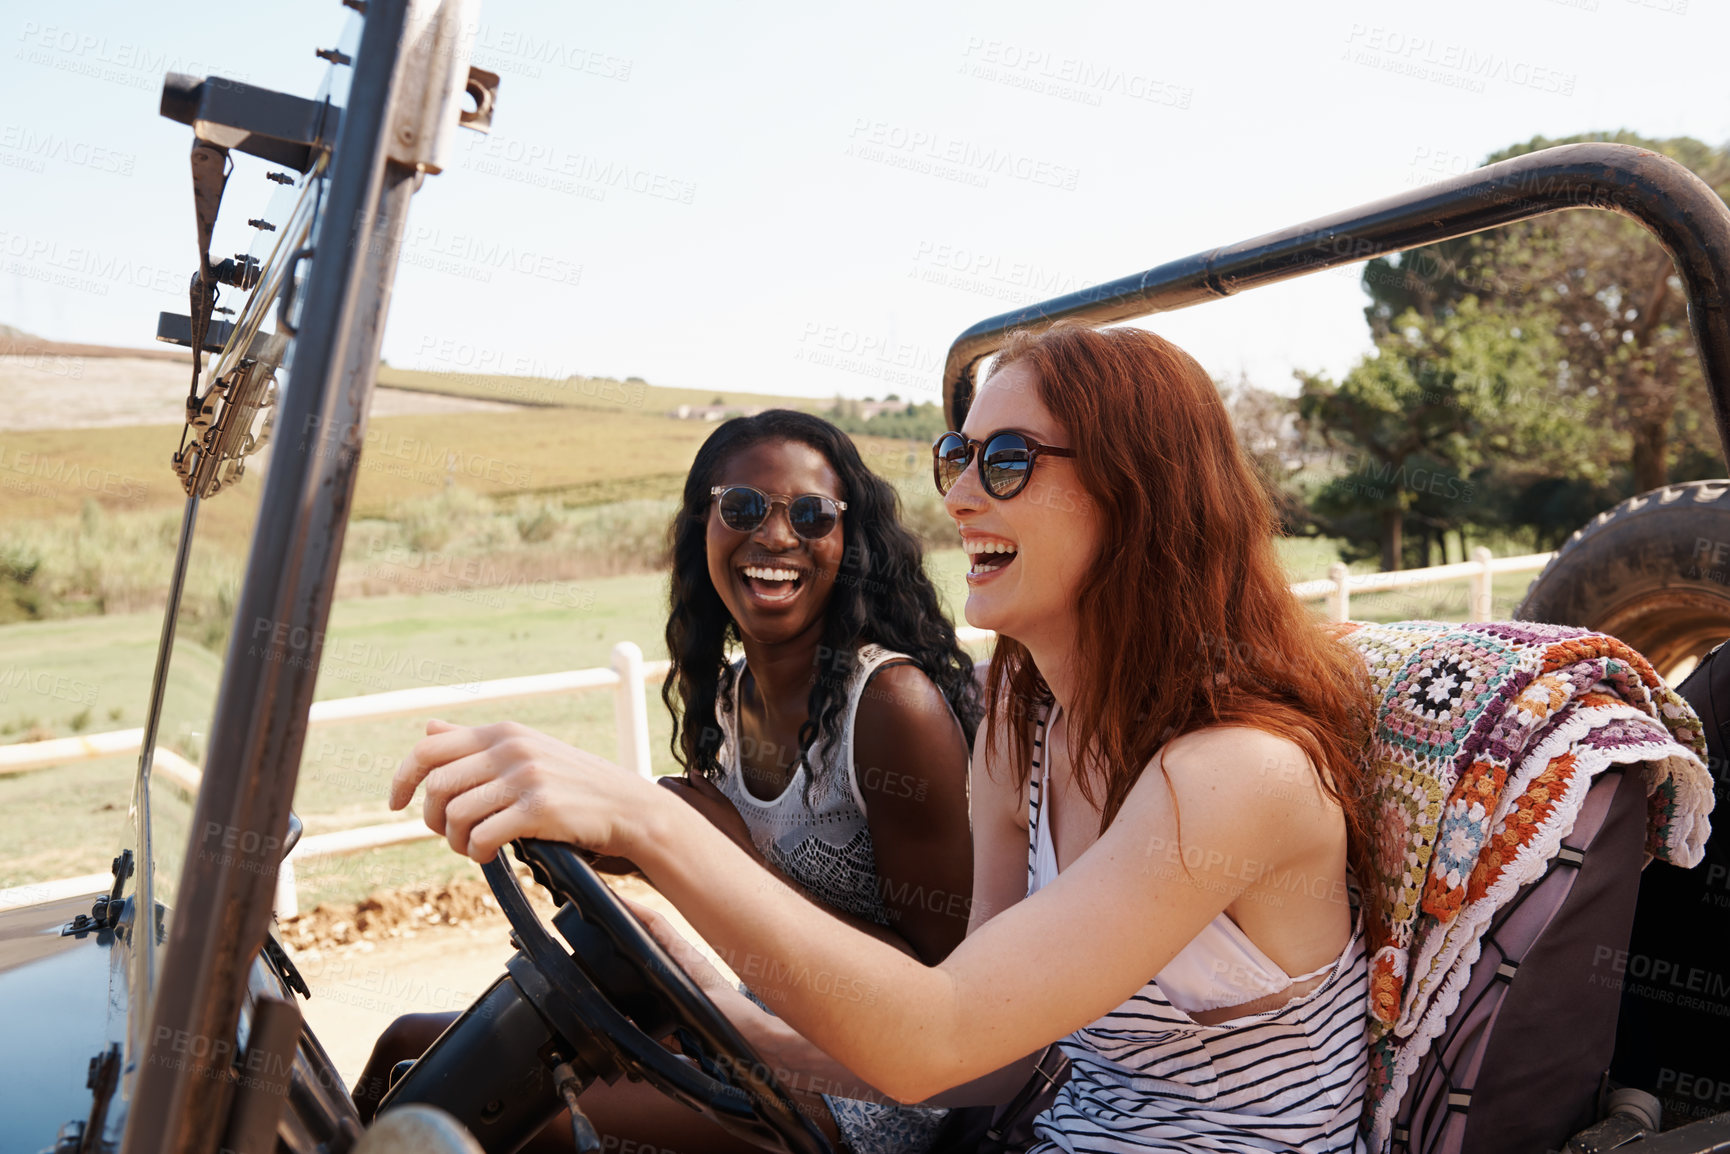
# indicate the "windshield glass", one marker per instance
pixel 219 468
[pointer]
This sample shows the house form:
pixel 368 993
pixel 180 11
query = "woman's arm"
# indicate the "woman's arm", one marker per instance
pixel 910 763
pixel 1034 973
pixel 702 795
pixel 999 813
pixel 996 811
pixel 799 1066
pixel 706 798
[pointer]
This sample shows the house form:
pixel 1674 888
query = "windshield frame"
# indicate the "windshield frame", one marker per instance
pixel 178 1080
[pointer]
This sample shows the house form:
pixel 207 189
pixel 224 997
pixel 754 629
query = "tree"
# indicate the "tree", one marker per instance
pixel 1267 428
pixel 1413 423
pixel 917 422
pixel 1610 296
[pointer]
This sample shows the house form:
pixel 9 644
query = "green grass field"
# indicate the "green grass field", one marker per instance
pixel 65 821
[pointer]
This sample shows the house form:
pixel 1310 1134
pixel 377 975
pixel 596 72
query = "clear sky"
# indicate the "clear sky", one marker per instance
pixel 815 199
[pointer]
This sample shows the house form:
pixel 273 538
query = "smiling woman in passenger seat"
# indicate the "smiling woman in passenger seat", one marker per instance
pixel 833 751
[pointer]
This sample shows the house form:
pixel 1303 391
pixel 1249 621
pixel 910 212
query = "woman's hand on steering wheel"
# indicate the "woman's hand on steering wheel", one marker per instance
pixel 762 1029
pixel 491 784
pixel 692 960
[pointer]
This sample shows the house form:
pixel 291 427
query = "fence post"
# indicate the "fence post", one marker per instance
pixel 631 708
pixel 287 900
pixel 1340 600
pixel 1483 595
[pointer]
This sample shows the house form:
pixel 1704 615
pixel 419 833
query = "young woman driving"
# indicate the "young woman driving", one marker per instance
pixel 1164 797
pixel 833 752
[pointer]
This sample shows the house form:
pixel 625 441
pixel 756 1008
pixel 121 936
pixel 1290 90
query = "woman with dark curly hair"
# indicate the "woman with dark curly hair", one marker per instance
pixel 833 749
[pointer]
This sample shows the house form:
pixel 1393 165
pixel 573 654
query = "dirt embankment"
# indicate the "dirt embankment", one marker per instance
pixel 397 914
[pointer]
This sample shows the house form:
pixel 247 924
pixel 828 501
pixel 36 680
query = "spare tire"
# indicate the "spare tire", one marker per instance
pixel 1653 572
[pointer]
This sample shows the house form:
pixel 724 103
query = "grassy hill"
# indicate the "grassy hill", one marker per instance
pixel 88 517
pixel 594 393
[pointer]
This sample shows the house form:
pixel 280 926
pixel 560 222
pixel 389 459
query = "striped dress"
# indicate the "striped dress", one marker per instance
pixel 1147 1077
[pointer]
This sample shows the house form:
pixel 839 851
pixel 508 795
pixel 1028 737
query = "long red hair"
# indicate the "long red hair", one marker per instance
pixel 1186 618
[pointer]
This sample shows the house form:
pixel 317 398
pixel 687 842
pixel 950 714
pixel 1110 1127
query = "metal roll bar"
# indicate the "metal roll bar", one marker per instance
pixel 1677 207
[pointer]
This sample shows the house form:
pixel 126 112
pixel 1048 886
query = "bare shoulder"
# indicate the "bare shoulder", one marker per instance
pixel 1233 750
pixel 902 694
pixel 1256 777
pixel 904 719
pixel 908 745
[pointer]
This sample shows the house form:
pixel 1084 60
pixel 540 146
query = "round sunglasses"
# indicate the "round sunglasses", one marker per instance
pixel 1005 461
pixel 743 508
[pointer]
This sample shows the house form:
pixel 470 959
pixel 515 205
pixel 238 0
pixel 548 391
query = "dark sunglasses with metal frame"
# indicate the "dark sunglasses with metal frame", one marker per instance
pixel 1005 460
pixel 743 508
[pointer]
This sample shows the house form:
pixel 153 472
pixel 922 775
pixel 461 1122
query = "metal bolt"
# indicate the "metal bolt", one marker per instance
pixel 264 224
pixel 405 134
pixel 334 55
pixel 279 177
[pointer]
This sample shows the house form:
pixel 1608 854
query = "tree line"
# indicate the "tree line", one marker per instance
pixel 1522 380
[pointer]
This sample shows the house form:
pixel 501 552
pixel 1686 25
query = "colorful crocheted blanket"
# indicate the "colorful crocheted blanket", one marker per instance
pixel 1487 740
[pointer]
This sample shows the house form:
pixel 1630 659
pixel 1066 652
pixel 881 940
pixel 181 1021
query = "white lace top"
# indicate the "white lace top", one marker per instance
pixel 815 834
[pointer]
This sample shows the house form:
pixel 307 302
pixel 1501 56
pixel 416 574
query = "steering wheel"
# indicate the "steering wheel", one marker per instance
pixel 597 1012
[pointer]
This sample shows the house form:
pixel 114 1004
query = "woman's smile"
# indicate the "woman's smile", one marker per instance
pixel 772 582
pixel 987 557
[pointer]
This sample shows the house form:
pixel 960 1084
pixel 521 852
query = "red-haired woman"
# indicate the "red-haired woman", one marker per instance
pixel 1164 797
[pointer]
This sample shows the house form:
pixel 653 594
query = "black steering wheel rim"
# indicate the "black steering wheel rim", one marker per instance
pixel 734 1087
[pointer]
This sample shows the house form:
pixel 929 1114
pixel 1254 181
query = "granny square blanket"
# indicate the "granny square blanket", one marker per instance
pixel 1487 739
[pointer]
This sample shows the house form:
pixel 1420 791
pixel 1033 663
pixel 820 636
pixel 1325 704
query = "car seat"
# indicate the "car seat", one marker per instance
pixel 1519 1067
pixel 1673 1040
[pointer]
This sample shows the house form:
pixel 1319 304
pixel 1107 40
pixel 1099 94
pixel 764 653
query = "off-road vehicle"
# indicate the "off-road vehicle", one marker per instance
pixel 161 1016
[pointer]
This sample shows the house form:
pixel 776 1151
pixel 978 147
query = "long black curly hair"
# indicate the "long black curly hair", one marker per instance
pixel 881 595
